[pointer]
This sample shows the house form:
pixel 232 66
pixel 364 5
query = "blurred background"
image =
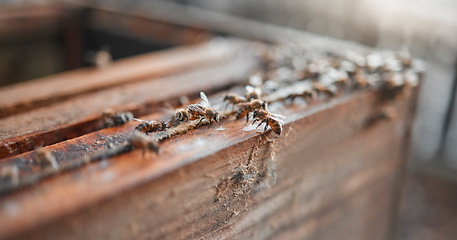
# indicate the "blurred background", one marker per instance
pixel 428 29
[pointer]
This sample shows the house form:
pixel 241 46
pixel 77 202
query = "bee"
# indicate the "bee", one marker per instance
pixel 361 79
pixel 341 77
pixel 256 79
pixel 10 173
pixel 411 78
pixel 330 90
pixel 198 111
pixel 111 118
pixel 405 57
pixel 253 93
pixel 269 119
pixel 303 89
pixel 181 115
pixel 374 62
pixel 205 112
pixel 150 126
pixel 140 140
pixel 45 158
pixel 348 67
pixel 395 80
pixel 311 71
pixel 306 94
pixel 100 58
pixel 246 108
pixel 233 99
pixel 394 84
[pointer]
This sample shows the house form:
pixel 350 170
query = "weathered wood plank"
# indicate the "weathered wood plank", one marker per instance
pixel 80 115
pixel 213 184
pixel 319 180
pixel 44 91
pixel 188 15
pixel 136 26
pixel 18 22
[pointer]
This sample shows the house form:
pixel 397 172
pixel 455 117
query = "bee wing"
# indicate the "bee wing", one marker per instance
pixel 205 100
pixel 278 120
pixel 139 120
pixel 277 115
pixel 258 91
pixel 197 108
pixel 249 89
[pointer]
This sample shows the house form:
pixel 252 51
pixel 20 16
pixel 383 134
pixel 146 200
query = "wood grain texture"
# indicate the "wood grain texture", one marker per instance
pixel 215 21
pixel 19 23
pixel 330 176
pixel 81 114
pixel 136 26
pixel 333 174
pixel 44 91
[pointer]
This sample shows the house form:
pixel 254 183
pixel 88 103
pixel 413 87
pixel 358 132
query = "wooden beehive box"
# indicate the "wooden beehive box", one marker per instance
pixel 335 172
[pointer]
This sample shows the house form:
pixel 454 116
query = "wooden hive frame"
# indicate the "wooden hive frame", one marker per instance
pixel 336 170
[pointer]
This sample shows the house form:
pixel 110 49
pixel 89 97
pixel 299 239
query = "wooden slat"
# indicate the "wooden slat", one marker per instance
pixel 82 114
pixel 20 23
pixel 319 180
pixel 44 91
pixel 188 15
pixel 328 157
pixel 146 28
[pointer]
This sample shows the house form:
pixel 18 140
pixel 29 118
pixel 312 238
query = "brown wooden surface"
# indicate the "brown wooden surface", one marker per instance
pixel 329 176
pixel 214 67
pixel 146 28
pixel 333 174
pixel 188 15
pixel 19 23
pixel 44 91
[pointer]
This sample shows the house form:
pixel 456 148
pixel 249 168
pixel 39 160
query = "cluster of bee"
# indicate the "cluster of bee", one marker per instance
pixel 196 115
pixel 203 113
pixel 291 72
pixel 252 105
pixel 183 120
pixel 287 73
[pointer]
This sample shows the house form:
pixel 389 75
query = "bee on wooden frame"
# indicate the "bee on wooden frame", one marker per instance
pixel 198 111
pixel 45 158
pixel 394 83
pixel 247 107
pixel 253 93
pixel 233 98
pixel 395 80
pixel 361 79
pixel 141 141
pixel 9 174
pixel 270 119
pixel 307 95
pixel 100 58
pixel 330 90
pixel 150 126
pixel 303 89
pixel 111 118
